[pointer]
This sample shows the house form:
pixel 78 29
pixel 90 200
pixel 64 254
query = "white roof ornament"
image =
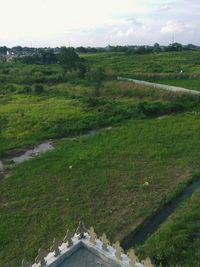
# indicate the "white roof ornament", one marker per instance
pixel 68 239
pixel 118 250
pixel 92 235
pixel 85 249
pixel 41 257
pixel 147 262
pixel 105 242
pixel 133 258
pixel 55 247
pixel 81 230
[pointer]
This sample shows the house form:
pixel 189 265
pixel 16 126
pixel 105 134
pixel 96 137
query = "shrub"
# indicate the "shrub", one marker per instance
pixel 27 89
pixel 10 88
pixel 38 89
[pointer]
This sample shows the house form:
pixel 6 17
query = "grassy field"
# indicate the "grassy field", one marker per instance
pixel 155 139
pixel 28 119
pixel 65 109
pixel 187 83
pixel 155 67
pixel 177 240
pixel 104 187
pixel 168 62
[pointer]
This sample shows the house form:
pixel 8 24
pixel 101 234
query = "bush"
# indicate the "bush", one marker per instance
pixel 38 89
pixel 10 88
pixel 27 89
pixel 157 108
pixel 96 75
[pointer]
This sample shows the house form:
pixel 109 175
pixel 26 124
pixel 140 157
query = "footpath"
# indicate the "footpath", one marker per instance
pixel 161 86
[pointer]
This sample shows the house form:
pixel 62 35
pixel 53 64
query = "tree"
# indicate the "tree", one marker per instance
pixel 48 56
pixel 3 50
pixel 82 69
pixel 68 58
pixel 17 49
pixel 97 76
pixel 156 47
pixel 174 47
pixel 143 50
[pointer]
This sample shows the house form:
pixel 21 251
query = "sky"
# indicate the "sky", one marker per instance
pixel 98 23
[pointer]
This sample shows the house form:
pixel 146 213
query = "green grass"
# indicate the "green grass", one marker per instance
pixel 29 119
pixel 23 74
pixel 104 187
pixel 187 83
pixel 166 63
pixel 41 198
pixel 156 67
pixel 65 109
pixel 177 242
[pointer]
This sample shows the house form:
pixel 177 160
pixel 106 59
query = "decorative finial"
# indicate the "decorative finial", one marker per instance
pixel 93 235
pixel 68 239
pixel 26 264
pixel 55 247
pixel 105 242
pixel 147 262
pixel 40 258
pixel 133 258
pixel 81 230
pixel 118 250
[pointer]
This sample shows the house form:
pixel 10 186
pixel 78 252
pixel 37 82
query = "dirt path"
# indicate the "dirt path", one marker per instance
pixel 161 86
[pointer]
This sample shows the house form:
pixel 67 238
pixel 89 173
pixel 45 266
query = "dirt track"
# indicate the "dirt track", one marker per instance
pixel 161 86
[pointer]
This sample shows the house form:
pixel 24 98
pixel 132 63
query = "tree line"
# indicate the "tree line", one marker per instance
pixel 46 52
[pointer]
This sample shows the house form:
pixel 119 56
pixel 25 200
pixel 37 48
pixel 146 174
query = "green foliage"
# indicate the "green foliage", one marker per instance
pixel 3 123
pixel 38 89
pixel 152 67
pixel 68 58
pixel 82 69
pixel 185 82
pixel 63 109
pixel 39 198
pixel 177 242
pixel 27 89
pixel 158 108
pixel 96 75
pixel 42 57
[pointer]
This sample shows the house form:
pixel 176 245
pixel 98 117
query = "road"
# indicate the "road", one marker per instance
pixel 161 86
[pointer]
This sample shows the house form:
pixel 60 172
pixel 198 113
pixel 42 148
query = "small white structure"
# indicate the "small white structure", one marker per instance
pixel 84 250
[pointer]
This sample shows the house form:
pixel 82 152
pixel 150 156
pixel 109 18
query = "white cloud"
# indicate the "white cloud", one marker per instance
pixel 177 26
pixel 96 22
pixel 164 7
pixel 126 28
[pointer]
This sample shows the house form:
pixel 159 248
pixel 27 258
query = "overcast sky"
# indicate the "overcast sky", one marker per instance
pixel 98 22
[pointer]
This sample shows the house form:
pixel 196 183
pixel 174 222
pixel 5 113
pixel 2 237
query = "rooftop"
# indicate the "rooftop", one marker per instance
pixel 84 249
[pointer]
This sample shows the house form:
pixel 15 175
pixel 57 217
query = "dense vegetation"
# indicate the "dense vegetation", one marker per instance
pixel 137 49
pixel 48 196
pixel 155 139
pixel 38 103
pixel 177 240
pixel 175 68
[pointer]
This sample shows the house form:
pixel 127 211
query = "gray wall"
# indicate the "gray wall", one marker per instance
pixel 82 255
